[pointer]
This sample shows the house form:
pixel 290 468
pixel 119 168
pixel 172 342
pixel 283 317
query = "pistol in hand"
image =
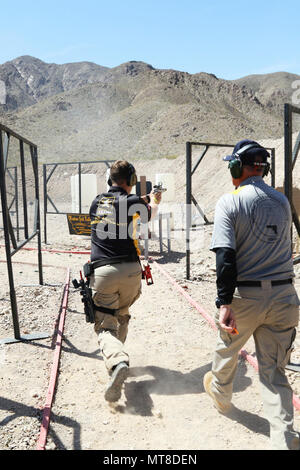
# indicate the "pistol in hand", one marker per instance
pixel 158 188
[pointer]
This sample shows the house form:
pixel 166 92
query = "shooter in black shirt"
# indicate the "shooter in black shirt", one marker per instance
pixel 116 282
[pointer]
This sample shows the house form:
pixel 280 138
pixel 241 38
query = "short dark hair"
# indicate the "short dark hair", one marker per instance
pixel 250 163
pixel 120 171
pixel 248 160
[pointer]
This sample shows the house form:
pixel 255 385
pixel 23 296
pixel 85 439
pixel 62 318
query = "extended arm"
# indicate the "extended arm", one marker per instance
pixel 153 200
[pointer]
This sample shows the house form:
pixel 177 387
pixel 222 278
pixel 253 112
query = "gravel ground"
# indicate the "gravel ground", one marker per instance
pixel 25 367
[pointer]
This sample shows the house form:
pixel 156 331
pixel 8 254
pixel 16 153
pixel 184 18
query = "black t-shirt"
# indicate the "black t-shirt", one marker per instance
pixel 114 222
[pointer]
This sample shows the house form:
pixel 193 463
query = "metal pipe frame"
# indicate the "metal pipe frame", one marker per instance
pixel 145 228
pixel 290 158
pixel 161 217
pixel 9 237
pixel 190 199
pixel 46 179
pixel 37 215
pixel 5 216
pixel 13 174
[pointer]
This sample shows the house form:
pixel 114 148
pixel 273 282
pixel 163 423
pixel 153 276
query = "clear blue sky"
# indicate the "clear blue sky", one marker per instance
pixel 230 38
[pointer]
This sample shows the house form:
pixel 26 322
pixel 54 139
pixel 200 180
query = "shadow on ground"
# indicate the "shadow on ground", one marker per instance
pixel 165 257
pixel 19 410
pixel 172 382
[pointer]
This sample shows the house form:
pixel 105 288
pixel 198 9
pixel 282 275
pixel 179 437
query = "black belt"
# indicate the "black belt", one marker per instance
pixel 89 268
pixel 258 283
pixel 115 260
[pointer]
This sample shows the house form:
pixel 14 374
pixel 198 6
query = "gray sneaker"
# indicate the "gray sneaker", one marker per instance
pixel 117 378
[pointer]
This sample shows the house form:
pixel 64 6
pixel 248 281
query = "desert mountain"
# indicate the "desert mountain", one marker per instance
pixel 82 111
pixel 29 80
pixel 272 89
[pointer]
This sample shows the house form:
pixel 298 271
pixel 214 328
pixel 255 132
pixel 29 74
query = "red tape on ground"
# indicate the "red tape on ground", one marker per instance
pixel 54 370
pixel 27 248
pixel 209 319
pixel 34 264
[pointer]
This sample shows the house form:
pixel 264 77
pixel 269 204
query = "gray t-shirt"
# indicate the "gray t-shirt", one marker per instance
pixel 255 221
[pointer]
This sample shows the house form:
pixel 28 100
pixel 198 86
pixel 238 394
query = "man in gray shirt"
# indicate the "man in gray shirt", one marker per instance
pixel 256 296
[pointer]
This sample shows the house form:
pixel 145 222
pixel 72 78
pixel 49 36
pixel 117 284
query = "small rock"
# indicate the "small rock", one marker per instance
pixel 158 414
pixel 5 311
pixel 50 446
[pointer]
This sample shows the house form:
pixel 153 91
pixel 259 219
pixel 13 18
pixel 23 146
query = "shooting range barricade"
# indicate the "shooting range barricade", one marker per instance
pixel 290 158
pixel 6 135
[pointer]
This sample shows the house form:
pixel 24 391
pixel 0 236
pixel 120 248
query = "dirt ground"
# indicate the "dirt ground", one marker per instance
pixel 163 404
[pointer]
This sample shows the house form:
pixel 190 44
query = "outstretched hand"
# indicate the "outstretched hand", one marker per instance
pixel 155 197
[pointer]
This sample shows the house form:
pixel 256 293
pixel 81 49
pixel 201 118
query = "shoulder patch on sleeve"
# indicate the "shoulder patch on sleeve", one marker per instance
pixel 236 191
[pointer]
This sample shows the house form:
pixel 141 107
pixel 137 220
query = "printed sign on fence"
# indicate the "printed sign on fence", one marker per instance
pixel 79 224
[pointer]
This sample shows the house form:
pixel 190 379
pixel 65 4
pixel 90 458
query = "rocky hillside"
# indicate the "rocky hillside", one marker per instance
pixel 84 111
pixel 272 89
pixel 29 80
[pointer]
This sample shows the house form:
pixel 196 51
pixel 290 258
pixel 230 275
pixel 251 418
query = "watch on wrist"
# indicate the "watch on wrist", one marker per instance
pixel 220 302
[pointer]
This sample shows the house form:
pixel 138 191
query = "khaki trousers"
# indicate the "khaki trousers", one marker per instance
pixel 115 286
pixel 270 314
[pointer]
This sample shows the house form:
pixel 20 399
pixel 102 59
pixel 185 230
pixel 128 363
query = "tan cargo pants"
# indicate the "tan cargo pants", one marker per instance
pixel 270 314
pixel 115 286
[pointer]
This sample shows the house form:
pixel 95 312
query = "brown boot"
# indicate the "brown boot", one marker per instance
pixel 117 378
pixel 221 407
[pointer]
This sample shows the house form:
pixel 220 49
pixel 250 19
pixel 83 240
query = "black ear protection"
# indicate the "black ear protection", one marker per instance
pixel 236 165
pixel 131 179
